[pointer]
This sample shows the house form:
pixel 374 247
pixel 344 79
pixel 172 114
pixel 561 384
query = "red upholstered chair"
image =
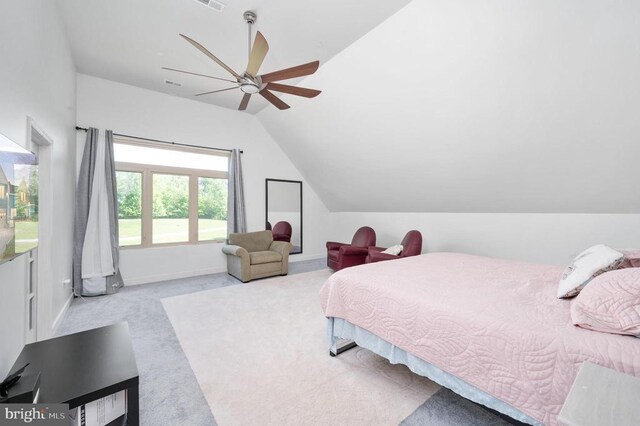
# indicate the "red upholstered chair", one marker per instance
pixel 282 231
pixel 341 255
pixel 411 246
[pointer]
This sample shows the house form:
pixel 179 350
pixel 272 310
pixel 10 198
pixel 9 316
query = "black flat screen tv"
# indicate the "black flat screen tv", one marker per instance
pixel 18 200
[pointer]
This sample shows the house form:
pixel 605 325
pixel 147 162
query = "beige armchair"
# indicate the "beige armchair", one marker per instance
pixel 253 255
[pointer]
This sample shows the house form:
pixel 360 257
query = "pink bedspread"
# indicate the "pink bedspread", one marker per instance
pixel 493 323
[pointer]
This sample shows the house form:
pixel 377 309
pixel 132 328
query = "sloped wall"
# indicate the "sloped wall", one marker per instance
pixel 476 106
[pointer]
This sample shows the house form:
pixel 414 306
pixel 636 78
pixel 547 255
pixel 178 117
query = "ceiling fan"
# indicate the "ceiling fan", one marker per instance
pixel 250 82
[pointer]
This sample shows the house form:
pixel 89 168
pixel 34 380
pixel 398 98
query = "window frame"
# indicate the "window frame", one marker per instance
pixel 148 170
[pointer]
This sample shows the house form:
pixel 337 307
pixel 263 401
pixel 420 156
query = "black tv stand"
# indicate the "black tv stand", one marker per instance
pixel 82 367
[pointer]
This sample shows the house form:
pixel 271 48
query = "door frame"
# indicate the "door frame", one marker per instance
pixel 44 285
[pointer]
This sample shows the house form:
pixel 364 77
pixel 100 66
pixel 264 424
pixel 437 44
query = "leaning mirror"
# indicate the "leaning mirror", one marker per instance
pixel 284 211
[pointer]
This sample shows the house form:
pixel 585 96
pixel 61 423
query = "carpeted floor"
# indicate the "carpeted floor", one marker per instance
pixel 445 408
pixel 169 391
pixel 260 355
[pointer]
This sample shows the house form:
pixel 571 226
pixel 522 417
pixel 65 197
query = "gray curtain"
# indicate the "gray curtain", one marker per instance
pixel 114 282
pixel 236 216
pixel 83 199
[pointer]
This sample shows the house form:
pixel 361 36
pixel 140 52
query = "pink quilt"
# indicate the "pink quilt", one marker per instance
pixel 493 323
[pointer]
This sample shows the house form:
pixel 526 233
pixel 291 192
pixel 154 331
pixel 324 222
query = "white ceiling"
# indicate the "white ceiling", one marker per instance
pixel 445 106
pixel 477 106
pixel 128 41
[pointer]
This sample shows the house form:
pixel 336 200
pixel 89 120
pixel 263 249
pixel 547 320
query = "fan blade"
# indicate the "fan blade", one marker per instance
pixel 258 52
pixel 293 72
pixel 200 75
pixel 294 90
pixel 216 91
pixel 244 102
pixel 210 55
pixel 273 99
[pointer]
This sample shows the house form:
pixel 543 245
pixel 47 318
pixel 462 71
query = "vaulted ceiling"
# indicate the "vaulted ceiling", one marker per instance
pixel 477 106
pixel 429 105
pixel 128 41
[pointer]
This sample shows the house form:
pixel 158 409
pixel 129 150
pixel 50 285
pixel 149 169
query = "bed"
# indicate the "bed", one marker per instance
pixel 491 330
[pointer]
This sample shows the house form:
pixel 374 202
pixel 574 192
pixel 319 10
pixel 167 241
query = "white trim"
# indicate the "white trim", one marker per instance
pixel 61 314
pixel 36 134
pixel 206 271
pixel 45 285
pixel 147 173
pixel 173 276
pixel 302 257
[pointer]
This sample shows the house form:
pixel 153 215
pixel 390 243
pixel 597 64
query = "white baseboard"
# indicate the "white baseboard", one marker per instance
pixel 56 323
pixel 172 276
pixel 128 281
pixel 302 257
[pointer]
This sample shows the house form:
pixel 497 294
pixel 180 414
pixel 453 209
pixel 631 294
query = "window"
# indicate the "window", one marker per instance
pixel 212 206
pixel 170 209
pixel 169 195
pixel 130 207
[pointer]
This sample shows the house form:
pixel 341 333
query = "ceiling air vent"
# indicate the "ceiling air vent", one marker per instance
pixel 173 83
pixel 216 5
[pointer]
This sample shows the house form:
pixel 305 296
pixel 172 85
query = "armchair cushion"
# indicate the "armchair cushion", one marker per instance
pixel 378 256
pixel 259 257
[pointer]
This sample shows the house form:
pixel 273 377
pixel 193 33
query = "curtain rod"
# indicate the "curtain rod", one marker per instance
pixel 84 129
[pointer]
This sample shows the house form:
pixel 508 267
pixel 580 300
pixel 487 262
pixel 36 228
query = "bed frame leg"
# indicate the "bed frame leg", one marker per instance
pixel 341 346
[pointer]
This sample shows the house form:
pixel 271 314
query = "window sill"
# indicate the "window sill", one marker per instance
pixel 199 243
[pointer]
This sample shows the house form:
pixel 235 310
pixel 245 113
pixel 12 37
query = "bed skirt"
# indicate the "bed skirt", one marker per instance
pixel 338 328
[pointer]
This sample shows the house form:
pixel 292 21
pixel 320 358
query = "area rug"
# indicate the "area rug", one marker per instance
pixel 259 352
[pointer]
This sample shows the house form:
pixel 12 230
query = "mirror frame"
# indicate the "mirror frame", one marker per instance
pixel 266 209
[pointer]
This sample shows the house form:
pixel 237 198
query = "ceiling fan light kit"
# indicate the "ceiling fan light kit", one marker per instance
pixel 250 82
pixel 250 87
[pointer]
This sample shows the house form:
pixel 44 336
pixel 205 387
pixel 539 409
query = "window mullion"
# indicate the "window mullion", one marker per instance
pixel 147 207
pixel 193 209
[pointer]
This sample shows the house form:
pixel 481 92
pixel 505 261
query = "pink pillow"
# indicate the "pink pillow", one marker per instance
pixel 631 259
pixel 610 303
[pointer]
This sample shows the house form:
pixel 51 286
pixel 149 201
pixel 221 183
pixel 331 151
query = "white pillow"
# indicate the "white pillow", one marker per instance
pixel 394 250
pixel 587 265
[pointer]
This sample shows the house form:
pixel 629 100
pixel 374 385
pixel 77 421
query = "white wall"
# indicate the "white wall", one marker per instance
pixel 38 80
pixel 139 112
pixel 543 238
